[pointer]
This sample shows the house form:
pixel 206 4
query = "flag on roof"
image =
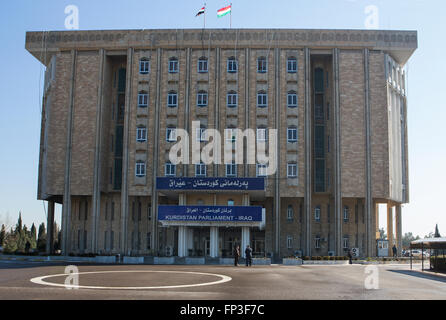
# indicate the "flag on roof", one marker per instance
pixel 201 11
pixel 223 11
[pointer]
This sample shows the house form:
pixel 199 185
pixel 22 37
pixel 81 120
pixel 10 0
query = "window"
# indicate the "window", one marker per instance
pixel 291 65
pixel 231 170
pixel 261 170
pixel 289 242
pixel 317 242
pixel 317 214
pixel 346 213
pixel 203 65
pixel 112 240
pixel 171 134
pixel 170 169
pixel 202 99
pixel 200 170
pixel 144 66
pixel 292 99
pixel 261 65
pixel 231 99
pixel 140 169
pixel 345 242
pixel 292 134
pixel 289 213
pixel 201 134
pixel 232 65
pixel 149 212
pixel 200 202
pixel 141 134
pixel 292 170
pixel 143 99
pixel 262 99
pixel 173 65
pixel 230 202
pixel 262 134
pixel 172 99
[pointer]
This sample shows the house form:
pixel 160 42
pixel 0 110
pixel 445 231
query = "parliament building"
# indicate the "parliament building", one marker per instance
pixel 114 101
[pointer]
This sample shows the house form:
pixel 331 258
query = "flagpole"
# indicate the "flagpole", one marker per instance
pixel 230 17
pixel 204 23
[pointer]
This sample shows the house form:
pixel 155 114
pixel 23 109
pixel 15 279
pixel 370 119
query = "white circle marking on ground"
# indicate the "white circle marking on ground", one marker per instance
pixel 40 280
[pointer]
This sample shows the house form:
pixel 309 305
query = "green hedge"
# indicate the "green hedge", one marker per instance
pixel 439 264
pixel 325 258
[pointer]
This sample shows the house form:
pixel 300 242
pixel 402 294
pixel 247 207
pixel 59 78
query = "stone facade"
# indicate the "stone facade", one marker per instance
pixel 104 89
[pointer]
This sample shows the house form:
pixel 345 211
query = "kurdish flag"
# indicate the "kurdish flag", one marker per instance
pixel 223 11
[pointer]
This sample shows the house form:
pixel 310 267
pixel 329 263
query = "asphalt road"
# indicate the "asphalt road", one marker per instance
pixel 233 283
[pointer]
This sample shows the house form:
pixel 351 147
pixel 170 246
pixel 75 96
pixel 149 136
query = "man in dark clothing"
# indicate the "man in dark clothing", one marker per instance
pixel 236 255
pixel 248 255
pixel 350 256
pixel 394 251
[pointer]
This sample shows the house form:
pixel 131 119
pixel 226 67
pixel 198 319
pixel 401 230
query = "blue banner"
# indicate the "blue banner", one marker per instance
pixel 210 213
pixel 189 183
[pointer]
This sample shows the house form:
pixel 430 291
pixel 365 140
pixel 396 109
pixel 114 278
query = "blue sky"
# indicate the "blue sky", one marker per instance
pixel 20 83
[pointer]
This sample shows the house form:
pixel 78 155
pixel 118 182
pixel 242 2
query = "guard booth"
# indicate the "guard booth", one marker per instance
pixel 382 248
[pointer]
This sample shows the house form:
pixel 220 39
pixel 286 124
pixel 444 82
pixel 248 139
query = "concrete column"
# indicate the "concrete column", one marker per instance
pixel 390 227
pixel 214 242
pixel 247 87
pixel 50 228
pixel 398 230
pixel 187 102
pixel 245 240
pixel 125 154
pixel 377 220
pixel 182 241
pixel 308 154
pixel 155 161
pixel 217 104
pixel 337 157
pixel 96 205
pixel 66 209
pixel 368 199
pixel 189 240
pixel 277 175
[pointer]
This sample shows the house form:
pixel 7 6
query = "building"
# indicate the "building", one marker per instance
pixel 113 101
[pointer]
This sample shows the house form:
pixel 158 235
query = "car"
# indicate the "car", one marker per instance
pixel 418 253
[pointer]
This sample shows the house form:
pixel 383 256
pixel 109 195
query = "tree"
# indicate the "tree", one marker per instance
pixel 18 226
pixel 20 234
pixel 10 242
pixel 407 238
pixel 2 235
pixel 437 233
pixel 41 238
pixel 32 237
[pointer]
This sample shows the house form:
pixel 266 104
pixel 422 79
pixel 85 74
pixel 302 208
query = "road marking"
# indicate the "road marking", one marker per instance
pixel 40 280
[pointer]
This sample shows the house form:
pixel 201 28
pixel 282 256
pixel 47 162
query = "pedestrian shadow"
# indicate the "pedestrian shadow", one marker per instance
pixel 420 274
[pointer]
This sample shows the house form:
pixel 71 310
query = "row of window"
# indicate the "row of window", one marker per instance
pixel 171 135
pixel 231 65
pixel 317 213
pixel 200 170
pixel 231 99
pixel 317 242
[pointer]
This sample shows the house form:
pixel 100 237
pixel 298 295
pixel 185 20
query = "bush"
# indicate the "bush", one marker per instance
pixel 306 258
pixel 332 258
pixel 325 258
pixel 439 263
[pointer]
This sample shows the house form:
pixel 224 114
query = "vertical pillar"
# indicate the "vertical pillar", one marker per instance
pixel 245 240
pixel 390 227
pixel 182 241
pixel 247 87
pixel 66 209
pixel 97 160
pixel 155 237
pixel 277 151
pixel 377 220
pixel 125 154
pixel 217 104
pixel 214 242
pixel 308 152
pixel 337 156
pixel 398 229
pixel 368 196
pixel 50 229
pixel 189 240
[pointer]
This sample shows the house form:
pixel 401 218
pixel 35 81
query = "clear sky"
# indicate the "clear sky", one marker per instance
pixel 21 80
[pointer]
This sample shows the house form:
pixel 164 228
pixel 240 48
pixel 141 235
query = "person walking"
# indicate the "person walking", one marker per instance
pixel 248 255
pixel 350 256
pixel 236 255
pixel 394 250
